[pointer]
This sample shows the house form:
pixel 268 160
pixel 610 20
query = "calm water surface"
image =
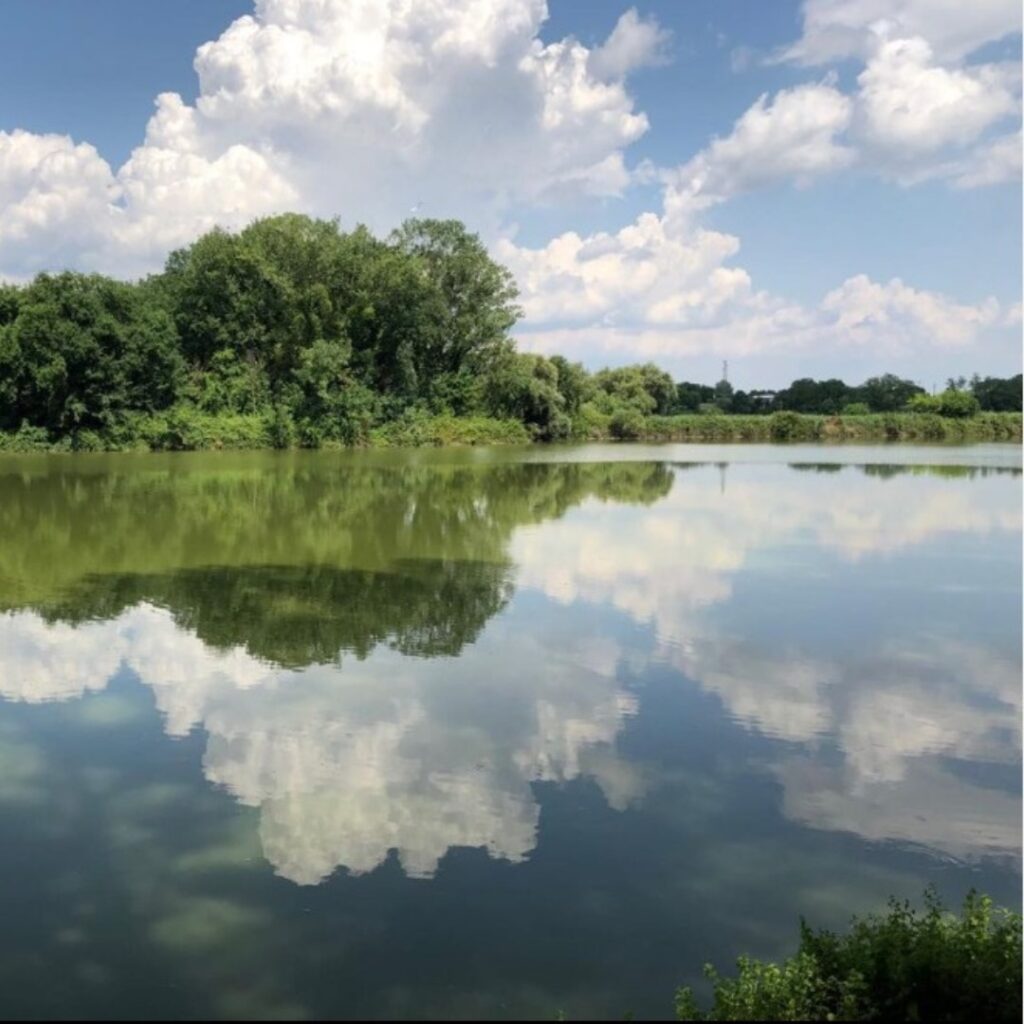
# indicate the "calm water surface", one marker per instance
pixel 490 733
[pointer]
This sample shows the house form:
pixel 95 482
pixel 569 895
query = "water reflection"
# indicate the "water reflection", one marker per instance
pixel 389 754
pixel 860 588
pixel 339 633
pixel 904 723
pixel 346 766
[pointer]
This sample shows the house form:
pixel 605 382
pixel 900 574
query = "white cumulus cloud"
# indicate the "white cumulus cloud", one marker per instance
pixel 357 108
pixel 909 106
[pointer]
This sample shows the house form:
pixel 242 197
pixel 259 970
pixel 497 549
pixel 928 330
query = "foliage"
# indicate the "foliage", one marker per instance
pixel 995 394
pixel 328 403
pixel 724 395
pixel 81 351
pixel 626 424
pixel 789 426
pixel 419 429
pixel 807 395
pixel 888 393
pixel 903 965
pixel 185 428
pixel 526 387
pixel 958 404
pixel 690 397
pixel 26 439
pixel 644 388
pixel 471 300
pixel 953 402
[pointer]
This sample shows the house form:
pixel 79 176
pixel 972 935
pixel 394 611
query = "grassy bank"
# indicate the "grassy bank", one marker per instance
pixel 186 429
pixel 791 426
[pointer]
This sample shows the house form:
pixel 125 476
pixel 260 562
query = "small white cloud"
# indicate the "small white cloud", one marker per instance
pixel 794 136
pixel 634 43
pixel 741 58
pixel 838 29
pixel 994 163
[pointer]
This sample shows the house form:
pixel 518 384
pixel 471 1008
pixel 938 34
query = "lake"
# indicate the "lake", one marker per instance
pixel 499 733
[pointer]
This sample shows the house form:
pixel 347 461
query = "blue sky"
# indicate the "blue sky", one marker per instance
pixel 805 189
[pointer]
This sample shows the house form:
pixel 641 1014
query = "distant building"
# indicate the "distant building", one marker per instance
pixel 762 398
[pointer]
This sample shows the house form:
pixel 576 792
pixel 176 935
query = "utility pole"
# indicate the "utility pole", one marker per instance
pixel 725 370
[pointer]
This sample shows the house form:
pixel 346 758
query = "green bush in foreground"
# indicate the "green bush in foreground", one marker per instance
pixel 903 965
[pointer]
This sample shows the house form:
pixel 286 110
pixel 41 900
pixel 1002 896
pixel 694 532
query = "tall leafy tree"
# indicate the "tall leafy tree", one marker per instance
pixel 470 307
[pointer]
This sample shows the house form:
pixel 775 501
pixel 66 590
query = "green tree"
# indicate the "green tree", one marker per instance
pixel 807 395
pixel 470 306
pixel 225 298
pixel 330 404
pixel 723 395
pixel 83 350
pixel 643 388
pixel 690 397
pixel 573 382
pixel 888 393
pixel 526 387
pixel 998 394
pixel 10 361
pixel 924 403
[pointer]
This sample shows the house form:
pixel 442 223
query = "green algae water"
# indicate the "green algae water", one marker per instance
pixel 490 733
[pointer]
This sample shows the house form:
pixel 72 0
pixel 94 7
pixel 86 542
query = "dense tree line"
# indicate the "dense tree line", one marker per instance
pixel 331 333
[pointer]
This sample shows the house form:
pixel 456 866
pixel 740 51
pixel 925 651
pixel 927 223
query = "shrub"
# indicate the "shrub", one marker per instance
pixel 785 426
pixel 856 409
pixel 951 403
pixel 185 428
pixel 900 966
pixel 26 439
pixel 591 423
pixel 626 424
pixel 87 441
pixel 923 403
pixel 958 404
pixel 416 428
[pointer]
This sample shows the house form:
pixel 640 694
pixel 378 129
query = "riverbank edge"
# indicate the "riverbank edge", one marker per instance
pixel 189 430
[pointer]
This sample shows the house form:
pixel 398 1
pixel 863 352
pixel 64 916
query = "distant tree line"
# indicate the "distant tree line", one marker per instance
pixel 886 393
pixel 329 334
